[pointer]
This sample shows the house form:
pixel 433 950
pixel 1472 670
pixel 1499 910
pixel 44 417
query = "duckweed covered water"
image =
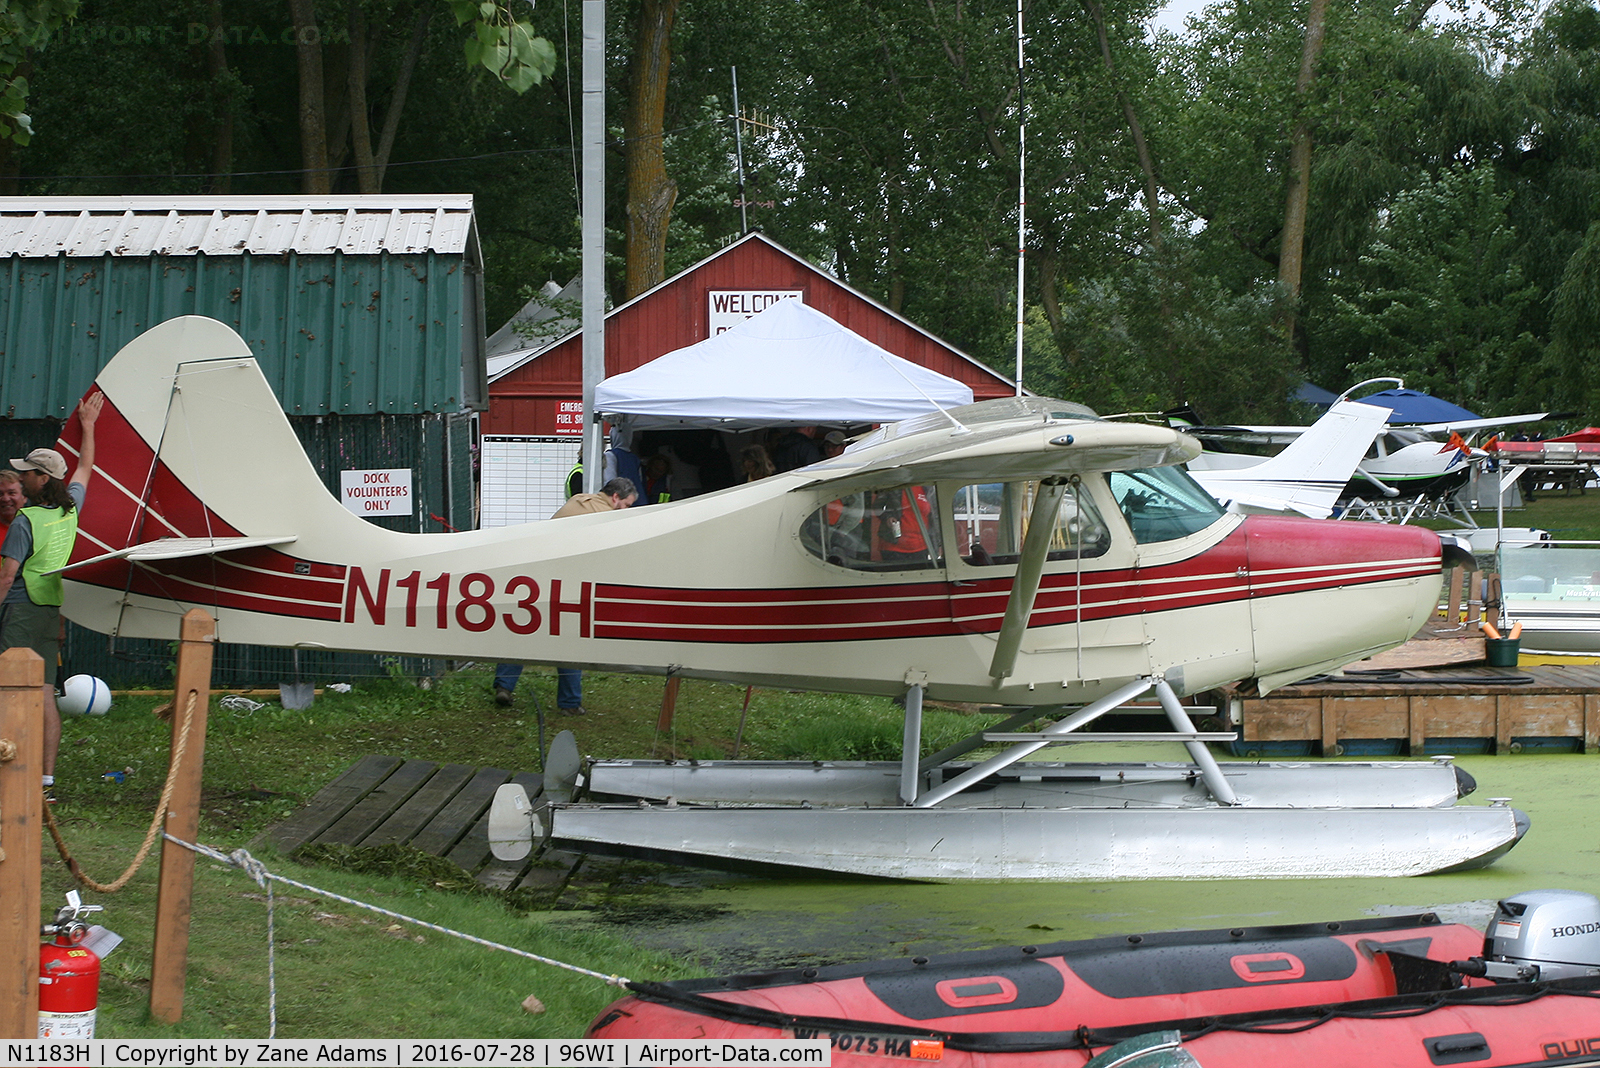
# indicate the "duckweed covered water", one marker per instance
pixel 731 924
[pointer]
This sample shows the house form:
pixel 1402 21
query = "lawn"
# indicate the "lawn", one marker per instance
pixel 343 972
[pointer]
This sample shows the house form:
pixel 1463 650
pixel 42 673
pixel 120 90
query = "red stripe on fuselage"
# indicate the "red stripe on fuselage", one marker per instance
pixel 255 580
pixel 1276 550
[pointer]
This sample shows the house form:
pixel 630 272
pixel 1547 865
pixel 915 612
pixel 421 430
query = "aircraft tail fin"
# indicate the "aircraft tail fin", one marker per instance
pixel 195 459
pixel 1308 476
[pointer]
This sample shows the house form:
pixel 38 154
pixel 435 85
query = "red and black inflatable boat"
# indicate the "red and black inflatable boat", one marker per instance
pixel 1373 992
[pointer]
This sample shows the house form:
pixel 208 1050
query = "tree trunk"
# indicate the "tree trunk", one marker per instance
pixel 1152 201
pixel 315 177
pixel 336 59
pixel 1291 252
pixel 222 134
pixel 360 121
pixel 397 99
pixel 651 194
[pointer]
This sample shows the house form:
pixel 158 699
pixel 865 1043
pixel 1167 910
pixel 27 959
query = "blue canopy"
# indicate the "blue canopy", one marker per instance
pixel 1410 406
pixel 1314 394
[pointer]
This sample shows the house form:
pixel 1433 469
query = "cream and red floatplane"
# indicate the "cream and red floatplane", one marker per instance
pixel 1020 552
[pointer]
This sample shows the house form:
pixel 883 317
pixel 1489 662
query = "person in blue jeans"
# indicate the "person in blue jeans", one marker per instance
pixel 616 494
pixel 569 687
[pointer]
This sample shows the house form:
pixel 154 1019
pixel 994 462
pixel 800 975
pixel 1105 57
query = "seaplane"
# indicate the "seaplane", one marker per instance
pixel 1021 553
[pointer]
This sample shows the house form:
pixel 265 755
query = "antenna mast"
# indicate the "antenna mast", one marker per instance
pixel 738 147
pixel 1022 193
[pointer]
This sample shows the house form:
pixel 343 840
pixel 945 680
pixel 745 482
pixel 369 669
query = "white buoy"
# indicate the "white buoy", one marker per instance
pixel 84 695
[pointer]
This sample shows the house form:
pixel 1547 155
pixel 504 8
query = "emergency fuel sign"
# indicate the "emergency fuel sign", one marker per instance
pixel 384 492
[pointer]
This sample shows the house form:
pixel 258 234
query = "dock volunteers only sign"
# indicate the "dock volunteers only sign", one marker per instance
pixel 384 492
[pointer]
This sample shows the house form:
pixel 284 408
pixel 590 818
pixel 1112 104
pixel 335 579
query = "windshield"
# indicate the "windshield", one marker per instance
pixel 1550 572
pixel 1162 503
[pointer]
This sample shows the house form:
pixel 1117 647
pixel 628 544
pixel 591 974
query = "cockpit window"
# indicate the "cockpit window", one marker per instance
pixel 991 521
pixel 1162 503
pixel 878 530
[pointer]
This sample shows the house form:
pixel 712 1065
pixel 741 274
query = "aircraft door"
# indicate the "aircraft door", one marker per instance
pixel 989 524
pixel 1192 580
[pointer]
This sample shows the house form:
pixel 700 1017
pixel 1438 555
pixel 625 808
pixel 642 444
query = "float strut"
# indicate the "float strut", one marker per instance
pixel 1220 790
pixel 911 746
pixel 1084 715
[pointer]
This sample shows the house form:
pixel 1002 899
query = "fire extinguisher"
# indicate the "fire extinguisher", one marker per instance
pixel 69 974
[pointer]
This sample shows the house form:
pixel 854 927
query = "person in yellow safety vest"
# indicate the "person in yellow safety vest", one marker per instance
pixel 575 479
pixel 40 541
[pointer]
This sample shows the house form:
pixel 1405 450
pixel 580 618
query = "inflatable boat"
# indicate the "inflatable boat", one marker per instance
pixel 1371 992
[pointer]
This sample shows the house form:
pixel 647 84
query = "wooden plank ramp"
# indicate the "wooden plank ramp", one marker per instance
pixel 439 809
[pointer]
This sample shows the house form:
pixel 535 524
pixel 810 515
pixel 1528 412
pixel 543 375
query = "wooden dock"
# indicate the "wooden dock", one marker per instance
pixel 441 809
pixel 1457 707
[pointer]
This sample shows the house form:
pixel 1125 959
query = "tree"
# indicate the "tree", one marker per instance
pixel 651 193
pixel 1438 297
pixel 25 27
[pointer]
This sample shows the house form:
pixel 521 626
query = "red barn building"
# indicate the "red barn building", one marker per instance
pixel 542 395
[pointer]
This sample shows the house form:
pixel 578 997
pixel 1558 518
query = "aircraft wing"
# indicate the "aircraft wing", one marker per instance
pixel 178 548
pixel 1479 424
pixel 1007 454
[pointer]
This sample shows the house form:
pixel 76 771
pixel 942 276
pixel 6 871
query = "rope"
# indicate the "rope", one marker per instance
pixel 155 821
pixel 240 858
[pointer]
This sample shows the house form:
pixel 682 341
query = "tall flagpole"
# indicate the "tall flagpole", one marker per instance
pixel 1022 193
pixel 593 231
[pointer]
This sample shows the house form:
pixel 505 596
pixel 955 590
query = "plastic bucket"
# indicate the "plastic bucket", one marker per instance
pixel 1501 652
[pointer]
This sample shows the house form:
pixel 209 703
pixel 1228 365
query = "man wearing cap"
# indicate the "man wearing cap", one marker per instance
pixel 39 541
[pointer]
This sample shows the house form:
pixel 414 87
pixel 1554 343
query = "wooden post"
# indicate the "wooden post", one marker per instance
pixel 21 836
pixel 669 703
pixel 174 897
pixel 1452 604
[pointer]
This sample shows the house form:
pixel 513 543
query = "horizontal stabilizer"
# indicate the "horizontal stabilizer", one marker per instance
pixel 179 548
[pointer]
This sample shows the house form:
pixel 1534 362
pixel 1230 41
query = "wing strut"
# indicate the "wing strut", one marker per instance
pixel 1030 570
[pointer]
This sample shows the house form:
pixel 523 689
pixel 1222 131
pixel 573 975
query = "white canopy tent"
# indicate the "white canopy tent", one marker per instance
pixel 790 365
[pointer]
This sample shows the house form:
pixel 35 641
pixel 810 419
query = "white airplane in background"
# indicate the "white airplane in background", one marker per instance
pixel 1308 477
pixel 1019 552
pixel 1399 462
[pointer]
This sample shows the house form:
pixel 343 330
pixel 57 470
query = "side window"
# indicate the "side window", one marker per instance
pixel 991 521
pixel 1162 503
pixel 879 530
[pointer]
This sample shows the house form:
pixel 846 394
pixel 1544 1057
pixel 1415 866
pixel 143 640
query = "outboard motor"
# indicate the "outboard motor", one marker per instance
pixel 1539 936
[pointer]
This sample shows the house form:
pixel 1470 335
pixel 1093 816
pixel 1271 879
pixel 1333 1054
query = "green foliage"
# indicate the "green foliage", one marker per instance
pixel 25 27
pixel 1438 297
pixel 502 45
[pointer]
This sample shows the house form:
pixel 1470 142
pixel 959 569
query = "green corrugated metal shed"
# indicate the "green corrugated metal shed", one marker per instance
pixel 353 306
pixel 365 313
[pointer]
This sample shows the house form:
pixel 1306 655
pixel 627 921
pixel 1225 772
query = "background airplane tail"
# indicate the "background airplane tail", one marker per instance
pixel 1308 476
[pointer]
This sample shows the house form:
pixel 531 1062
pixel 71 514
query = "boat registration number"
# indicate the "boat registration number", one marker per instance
pixel 877 1044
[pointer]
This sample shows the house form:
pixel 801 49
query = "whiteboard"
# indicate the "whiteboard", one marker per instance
pixel 523 479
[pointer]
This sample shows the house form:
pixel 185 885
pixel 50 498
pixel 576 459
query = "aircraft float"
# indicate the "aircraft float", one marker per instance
pixel 1020 552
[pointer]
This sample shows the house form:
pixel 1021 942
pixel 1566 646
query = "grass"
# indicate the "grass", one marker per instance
pixel 341 971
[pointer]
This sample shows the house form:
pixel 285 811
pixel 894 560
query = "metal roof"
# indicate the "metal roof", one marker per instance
pixel 36 227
